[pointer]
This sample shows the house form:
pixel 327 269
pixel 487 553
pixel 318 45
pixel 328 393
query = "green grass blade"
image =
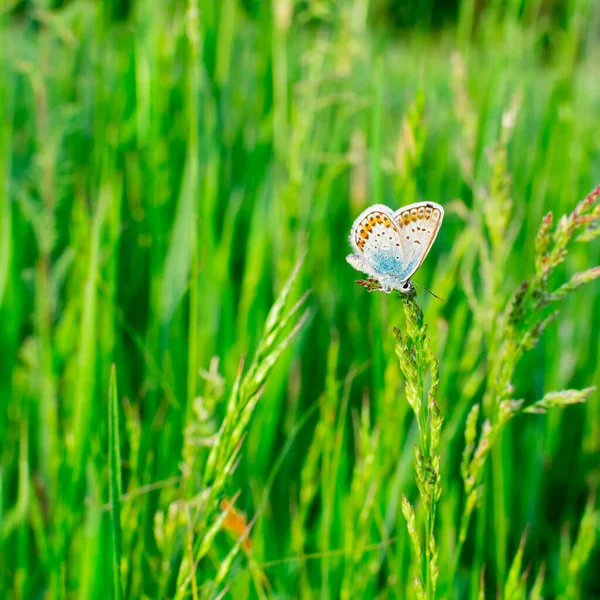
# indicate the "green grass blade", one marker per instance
pixel 115 491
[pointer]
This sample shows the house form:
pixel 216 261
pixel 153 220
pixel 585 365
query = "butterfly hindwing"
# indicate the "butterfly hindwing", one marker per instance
pixel 418 225
pixel 361 264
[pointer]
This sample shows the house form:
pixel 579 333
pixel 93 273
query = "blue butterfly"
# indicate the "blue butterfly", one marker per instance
pixel 390 246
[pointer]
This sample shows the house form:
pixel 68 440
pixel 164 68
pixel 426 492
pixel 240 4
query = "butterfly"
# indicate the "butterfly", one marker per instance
pixel 390 246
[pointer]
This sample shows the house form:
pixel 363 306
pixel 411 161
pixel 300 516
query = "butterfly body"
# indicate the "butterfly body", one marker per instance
pixel 390 246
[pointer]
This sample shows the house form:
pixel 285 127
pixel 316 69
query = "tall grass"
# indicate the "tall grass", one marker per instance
pixel 162 172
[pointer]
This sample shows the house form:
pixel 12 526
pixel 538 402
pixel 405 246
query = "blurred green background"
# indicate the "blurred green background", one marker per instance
pixel 163 167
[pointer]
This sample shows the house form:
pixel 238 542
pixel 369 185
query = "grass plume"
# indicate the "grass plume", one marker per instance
pixel 421 371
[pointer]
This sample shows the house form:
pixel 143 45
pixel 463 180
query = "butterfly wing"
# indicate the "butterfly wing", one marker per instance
pixel 376 238
pixel 418 225
pixel 361 264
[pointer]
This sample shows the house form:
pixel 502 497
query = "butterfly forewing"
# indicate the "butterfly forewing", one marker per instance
pixel 418 225
pixel 375 229
pixel 377 239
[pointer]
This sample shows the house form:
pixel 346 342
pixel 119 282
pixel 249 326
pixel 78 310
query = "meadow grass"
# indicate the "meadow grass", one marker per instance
pixel 180 418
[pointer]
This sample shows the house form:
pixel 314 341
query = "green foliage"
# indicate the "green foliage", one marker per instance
pixel 579 554
pixel 516 581
pixel 115 485
pixel 163 166
pixel 418 363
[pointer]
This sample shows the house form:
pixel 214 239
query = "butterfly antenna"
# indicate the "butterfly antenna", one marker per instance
pixel 424 288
